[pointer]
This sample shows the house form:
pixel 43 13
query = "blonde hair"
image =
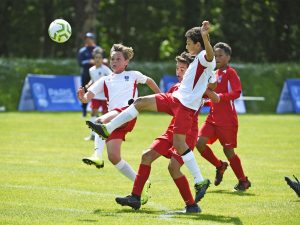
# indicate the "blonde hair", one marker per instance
pixel 127 51
pixel 97 51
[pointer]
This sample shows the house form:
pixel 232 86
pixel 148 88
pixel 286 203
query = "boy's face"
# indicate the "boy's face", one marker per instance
pixel 180 70
pixel 222 59
pixel 192 48
pixel 98 59
pixel 89 41
pixel 117 62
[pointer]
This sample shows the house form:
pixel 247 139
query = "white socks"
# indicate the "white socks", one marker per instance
pixel 190 162
pixel 126 170
pixel 125 116
pixel 99 145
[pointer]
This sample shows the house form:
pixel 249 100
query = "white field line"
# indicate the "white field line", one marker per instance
pixel 166 215
pixel 30 187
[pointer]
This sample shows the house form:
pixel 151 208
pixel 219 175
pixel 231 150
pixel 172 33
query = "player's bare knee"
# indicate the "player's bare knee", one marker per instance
pixel 139 103
pixel 147 158
pixel 113 158
pixel 201 144
pixel 229 153
pixel 171 169
pixel 174 170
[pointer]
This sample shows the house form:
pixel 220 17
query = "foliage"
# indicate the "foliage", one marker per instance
pixel 257 79
pixel 43 180
pixel 258 31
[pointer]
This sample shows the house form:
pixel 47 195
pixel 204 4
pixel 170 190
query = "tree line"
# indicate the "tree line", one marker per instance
pixel 257 30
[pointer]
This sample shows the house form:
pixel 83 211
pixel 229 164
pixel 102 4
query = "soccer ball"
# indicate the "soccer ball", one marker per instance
pixel 60 31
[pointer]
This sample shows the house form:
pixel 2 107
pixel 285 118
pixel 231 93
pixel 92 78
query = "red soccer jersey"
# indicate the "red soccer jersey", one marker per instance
pixel 229 88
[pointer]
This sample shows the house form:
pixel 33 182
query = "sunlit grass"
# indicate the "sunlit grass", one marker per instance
pixel 43 180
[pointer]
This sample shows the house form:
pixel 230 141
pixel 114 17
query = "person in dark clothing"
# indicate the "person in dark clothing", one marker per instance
pixel 86 61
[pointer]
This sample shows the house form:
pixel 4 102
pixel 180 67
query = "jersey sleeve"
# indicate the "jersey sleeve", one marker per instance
pixel 97 87
pixel 202 59
pixel 141 78
pixel 212 79
pixel 236 87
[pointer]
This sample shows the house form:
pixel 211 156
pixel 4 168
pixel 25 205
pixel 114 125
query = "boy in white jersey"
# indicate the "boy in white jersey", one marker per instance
pixel 96 72
pixel 182 104
pixel 119 88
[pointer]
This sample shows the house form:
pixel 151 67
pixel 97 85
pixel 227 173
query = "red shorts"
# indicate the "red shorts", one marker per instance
pixel 164 145
pixel 227 135
pixel 96 103
pixel 165 102
pixel 121 132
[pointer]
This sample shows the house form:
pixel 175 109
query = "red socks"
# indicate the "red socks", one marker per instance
pixel 236 166
pixel 141 178
pixel 184 189
pixel 210 157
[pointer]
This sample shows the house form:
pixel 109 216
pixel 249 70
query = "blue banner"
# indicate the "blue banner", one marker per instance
pixel 50 93
pixel 289 101
pixel 166 82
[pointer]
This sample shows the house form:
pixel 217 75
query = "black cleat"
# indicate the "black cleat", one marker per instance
pixel 98 128
pixel 243 185
pixel 219 173
pixel 293 184
pixel 201 189
pixel 192 208
pixel 130 200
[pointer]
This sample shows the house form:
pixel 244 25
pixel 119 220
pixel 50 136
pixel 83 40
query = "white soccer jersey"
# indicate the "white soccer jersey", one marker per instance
pixel 96 74
pixel 119 88
pixel 195 81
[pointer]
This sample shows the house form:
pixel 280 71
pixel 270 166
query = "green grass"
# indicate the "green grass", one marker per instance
pixel 43 180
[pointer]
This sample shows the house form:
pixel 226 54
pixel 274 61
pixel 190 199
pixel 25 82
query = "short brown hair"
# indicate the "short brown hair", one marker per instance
pixel 195 35
pixel 185 57
pixel 224 46
pixel 127 51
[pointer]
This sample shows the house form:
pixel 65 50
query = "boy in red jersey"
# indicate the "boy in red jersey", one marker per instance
pixel 222 122
pixel 162 146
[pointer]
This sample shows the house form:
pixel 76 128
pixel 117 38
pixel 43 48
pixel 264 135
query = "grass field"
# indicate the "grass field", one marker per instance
pixel 43 180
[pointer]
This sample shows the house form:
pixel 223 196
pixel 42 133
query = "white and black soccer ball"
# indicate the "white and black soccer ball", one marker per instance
pixel 60 31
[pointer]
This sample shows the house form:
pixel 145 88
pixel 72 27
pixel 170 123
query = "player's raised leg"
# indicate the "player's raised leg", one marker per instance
pixel 141 104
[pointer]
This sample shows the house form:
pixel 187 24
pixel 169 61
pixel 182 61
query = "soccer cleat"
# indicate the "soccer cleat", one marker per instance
pixel 94 160
pixel 145 194
pixel 293 184
pixel 192 208
pixel 219 173
pixel 242 185
pixel 201 189
pixel 130 200
pixel 99 128
pixel 90 138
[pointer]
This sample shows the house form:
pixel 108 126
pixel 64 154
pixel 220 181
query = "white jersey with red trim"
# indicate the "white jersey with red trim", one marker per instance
pixel 119 88
pixel 195 80
pixel 96 74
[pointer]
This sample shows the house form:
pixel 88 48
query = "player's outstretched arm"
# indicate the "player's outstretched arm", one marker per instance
pixel 152 85
pixel 84 97
pixel 205 36
pixel 214 97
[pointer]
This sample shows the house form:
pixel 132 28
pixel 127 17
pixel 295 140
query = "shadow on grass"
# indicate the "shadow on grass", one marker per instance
pixel 167 215
pixel 240 193
pixel 209 218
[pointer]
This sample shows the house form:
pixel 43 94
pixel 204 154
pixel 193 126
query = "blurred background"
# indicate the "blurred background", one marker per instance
pixel 264 36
